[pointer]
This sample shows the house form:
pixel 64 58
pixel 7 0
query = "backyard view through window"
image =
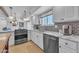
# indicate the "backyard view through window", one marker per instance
pixel 47 20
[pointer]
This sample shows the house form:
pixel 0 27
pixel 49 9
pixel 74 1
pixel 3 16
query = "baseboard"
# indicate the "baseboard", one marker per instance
pixel 29 40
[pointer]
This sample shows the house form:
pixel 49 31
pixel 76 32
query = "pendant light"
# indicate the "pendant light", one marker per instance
pixel 25 18
pixel 11 16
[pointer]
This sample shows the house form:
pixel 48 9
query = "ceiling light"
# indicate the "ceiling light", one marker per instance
pixel 11 17
pixel 26 19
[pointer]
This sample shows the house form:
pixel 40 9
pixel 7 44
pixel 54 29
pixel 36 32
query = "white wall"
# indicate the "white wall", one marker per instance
pixel 3 20
pixel 3 23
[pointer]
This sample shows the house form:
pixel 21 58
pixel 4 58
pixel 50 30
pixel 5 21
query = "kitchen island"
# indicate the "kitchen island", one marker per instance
pixel 4 39
pixel 11 41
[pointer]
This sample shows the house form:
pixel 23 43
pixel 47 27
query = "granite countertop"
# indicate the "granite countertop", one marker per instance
pixel 4 31
pixel 57 34
pixel 39 31
pixel 3 40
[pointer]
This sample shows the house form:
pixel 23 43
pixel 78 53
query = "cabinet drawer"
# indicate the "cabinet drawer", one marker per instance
pixel 78 47
pixel 68 43
pixel 65 49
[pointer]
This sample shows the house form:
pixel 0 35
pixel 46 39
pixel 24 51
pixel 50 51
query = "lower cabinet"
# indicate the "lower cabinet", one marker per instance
pixel 37 38
pixel 78 47
pixel 67 46
pixel 64 49
pixel 33 36
pixel 11 40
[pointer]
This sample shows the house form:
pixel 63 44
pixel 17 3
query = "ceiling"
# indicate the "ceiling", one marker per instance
pixel 19 10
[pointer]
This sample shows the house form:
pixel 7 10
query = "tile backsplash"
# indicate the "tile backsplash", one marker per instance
pixel 75 26
pixel 46 28
pixel 49 28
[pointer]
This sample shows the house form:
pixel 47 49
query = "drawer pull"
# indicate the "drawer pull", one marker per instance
pixel 59 46
pixel 66 43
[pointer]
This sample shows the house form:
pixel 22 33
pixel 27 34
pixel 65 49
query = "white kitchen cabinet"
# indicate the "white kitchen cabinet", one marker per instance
pixel 11 40
pixel 37 38
pixel 65 13
pixel 40 40
pixel 64 49
pixel 66 46
pixel 29 35
pixel 78 47
pixel 35 20
pixel 29 26
pixel 32 36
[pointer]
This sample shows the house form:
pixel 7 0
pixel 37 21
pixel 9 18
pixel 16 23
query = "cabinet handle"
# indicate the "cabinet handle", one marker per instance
pixel 37 36
pixel 59 46
pixel 62 18
pixel 66 43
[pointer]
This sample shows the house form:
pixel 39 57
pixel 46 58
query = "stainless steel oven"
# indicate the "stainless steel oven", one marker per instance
pixel 21 36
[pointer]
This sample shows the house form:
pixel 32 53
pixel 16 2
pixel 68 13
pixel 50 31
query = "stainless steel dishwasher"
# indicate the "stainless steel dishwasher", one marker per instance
pixel 50 44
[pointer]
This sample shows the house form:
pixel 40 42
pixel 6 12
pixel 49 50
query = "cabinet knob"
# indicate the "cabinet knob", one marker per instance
pixel 62 18
pixel 66 43
pixel 59 46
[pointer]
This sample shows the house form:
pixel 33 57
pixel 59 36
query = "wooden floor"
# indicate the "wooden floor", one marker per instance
pixel 28 47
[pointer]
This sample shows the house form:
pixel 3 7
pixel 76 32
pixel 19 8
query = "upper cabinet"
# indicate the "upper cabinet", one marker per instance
pixel 35 20
pixel 66 13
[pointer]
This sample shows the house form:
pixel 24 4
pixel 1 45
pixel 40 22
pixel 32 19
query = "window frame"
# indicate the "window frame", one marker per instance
pixel 47 20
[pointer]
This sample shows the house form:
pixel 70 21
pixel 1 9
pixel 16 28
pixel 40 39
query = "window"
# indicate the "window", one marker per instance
pixel 47 20
pixel 50 20
pixel 44 21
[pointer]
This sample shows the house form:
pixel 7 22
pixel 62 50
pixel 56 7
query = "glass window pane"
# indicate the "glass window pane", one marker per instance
pixel 45 20
pixel 50 20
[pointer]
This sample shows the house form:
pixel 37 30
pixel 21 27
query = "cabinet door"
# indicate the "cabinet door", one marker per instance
pixel 64 49
pixel 77 11
pixel 78 47
pixel 58 12
pixel 37 38
pixel 11 40
pixel 67 46
pixel 69 12
pixel 37 41
pixel 40 40
pixel 29 26
pixel 68 43
pixel 33 36
pixel 35 20
pixel 63 13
